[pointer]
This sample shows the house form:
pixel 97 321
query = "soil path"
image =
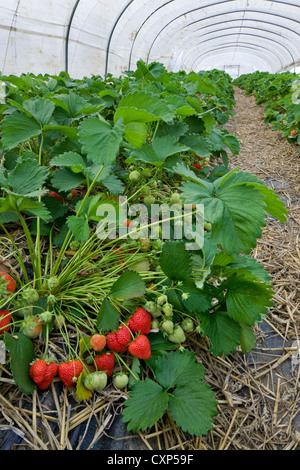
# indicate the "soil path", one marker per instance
pixel 270 416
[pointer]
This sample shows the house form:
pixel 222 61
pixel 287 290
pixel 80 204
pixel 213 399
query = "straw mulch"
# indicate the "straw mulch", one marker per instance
pixel 258 393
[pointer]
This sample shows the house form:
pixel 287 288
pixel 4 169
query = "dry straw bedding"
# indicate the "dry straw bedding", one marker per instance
pixel 258 393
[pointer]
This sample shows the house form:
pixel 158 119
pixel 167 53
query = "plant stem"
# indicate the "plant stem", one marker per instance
pixel 69 234
pixel 38 230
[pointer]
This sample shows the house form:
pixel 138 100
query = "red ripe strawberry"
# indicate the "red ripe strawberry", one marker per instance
pixel 11 283
pixel 113 344
pixel 105 362
pixel 124 335
pixel 5 317
pixel 140 347
pixel 43 372
pixel 51 372
pixel 197 165
pixel 69 372
pixel 37 371
pixel 54 194
pixel 140 321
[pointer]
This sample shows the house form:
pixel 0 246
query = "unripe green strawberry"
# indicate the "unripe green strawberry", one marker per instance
pixel 154 324
pixel 51 299
pixel 187 325
pixel 151 307
pixel 30 296
pixel 167 326
pixel 162 299
pixel 147 172
pixel 168 309
pixel 120 380
pixel 135 176
pixel 148 200
pixel 145 190
pixel 178 335
pixel 31 326
pixel 53 283
pixel 95 381
pixel 207 226
pixel 45 317
pixel 175 198
pixel 75 245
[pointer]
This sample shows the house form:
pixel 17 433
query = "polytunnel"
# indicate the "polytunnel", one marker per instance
pixel 95 37
pixel 149 227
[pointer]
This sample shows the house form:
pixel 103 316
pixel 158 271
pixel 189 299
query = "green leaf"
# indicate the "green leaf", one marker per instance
pixel 193 406
pixel 142 106
pixel 248 339
pixel 65 180
pixel 135 133
pixel 175 260
pixel 147 403
pixel 70 132
pixel 41 109
pixel 238 207
pixel 17 128
pixel 158 150
pixel 197 144
pixel 247 300
pixel 108 316
pixel 232 143
pixel 223 332
pixel 178 368
pixel 136 369
pixel 100 141
pixel 79 227
pixel 27 177
pixel 21 353
pixel 68 159
pixel 129 285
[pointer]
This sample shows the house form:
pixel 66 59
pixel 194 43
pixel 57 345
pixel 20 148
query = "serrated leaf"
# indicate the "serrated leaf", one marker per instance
pixel 68 159
pixel 100 141
pixel 175 260
pixel 177 368
pixel 142 106
pixel 193 406
pixel 158 150
pixel 247 300
pixel 27 177
pixel 197 144
pixel 130 285
pixel 135 133
pixel 65 180
pixel 79 227
pixel 108 316
pixel 147 403
pixel 41 109
pixel 21 352
pixel 17 128
pixel 223 332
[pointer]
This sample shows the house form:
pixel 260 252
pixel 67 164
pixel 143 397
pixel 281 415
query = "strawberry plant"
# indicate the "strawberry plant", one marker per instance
pixel 70 148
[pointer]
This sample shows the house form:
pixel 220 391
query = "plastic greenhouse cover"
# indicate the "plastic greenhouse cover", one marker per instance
pixel 96 37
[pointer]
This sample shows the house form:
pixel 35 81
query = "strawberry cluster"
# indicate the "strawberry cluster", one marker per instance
pixel 130 336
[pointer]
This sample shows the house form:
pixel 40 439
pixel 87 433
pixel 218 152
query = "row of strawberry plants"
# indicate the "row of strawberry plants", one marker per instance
pixel 124 307
pixel 279 93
